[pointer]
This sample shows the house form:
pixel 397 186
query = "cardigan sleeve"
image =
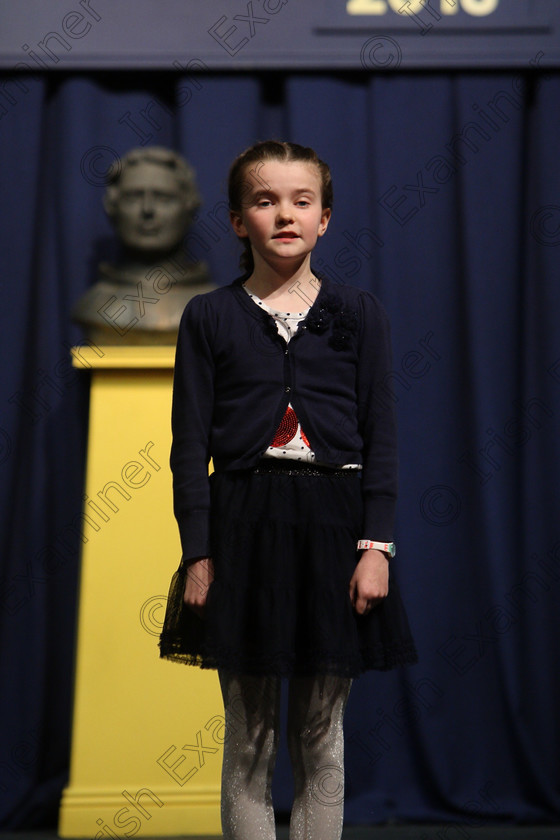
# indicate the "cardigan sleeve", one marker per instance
pixel 377 418
pixel 191 418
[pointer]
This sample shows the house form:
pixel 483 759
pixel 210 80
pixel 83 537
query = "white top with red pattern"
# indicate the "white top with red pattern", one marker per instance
pixel 289 440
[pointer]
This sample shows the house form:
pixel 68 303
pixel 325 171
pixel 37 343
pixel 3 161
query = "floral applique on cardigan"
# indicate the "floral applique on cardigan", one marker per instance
pixel 332 313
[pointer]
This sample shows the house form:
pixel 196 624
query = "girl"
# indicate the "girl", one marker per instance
pixel 286 547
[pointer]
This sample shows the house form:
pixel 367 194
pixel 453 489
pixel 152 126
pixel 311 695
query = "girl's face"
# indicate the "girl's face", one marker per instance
pixel 282 214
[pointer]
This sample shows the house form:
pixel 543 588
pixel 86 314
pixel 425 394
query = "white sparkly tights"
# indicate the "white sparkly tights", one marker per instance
pixel 315 742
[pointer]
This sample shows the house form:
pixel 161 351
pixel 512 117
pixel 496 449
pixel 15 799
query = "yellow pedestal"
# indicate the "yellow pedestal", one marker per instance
pixel 147 733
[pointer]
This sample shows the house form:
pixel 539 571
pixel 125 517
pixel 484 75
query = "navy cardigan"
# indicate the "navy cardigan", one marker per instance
pixel 235 375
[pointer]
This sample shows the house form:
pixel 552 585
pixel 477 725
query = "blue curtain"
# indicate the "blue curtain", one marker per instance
pixel 447 206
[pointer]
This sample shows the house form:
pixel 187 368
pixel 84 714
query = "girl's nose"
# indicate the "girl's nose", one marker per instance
pixel 284 213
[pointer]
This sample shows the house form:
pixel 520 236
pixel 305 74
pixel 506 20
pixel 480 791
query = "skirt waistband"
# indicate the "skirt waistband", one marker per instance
pixel 287 466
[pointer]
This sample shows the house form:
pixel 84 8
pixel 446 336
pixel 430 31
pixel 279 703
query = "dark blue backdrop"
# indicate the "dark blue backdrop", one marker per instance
pixel 447 205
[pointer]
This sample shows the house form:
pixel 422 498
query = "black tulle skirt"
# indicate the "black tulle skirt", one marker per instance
pixel 284 549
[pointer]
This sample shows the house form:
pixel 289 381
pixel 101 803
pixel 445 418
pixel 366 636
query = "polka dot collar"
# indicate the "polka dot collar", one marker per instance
pixel 275 312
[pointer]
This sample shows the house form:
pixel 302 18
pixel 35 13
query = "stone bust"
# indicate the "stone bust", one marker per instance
pixel 151 198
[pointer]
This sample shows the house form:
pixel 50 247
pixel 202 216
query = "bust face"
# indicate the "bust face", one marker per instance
pixel 150 213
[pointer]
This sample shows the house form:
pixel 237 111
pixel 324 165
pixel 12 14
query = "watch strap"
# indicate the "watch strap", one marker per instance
pixel 387 547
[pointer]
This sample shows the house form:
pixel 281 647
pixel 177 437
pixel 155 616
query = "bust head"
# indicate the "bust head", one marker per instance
pixel 150 198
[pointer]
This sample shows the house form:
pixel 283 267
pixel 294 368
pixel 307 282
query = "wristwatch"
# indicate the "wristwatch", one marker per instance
pixel 386 547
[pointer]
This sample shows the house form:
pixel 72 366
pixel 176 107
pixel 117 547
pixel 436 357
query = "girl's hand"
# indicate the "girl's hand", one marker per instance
pixel 370 581
pixel 199 577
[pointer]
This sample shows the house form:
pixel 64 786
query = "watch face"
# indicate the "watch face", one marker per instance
pixel 392 549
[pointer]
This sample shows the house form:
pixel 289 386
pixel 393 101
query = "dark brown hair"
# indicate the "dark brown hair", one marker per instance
pixel 245 168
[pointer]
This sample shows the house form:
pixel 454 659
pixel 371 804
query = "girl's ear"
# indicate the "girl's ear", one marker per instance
pixel 237 224
pixel 324 223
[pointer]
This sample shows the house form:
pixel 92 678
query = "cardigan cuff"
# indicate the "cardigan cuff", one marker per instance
pixel 194 529
pixel 379 518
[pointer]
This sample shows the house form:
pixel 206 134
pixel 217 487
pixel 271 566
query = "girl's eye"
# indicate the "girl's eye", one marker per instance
pixel 264 202
pixel 303 202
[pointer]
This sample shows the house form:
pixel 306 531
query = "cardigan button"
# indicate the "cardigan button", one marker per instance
pixel 287 389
